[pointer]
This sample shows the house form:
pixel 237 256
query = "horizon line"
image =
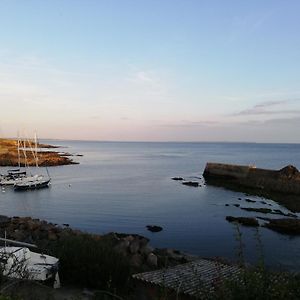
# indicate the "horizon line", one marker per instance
pixel 156 141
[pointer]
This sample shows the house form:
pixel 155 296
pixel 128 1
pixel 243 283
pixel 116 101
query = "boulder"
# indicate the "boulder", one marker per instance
pixel 143 241
pixel 154 228
pixel 122 247
pixel 191 183
pixel 134 247
pixel 177 178
pixel 146 250
pixel 152 260
pixel 128 238
pixel 289 171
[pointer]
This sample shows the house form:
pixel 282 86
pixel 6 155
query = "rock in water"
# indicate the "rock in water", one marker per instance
pixel 243 220
pixel 191 183
pixel 154 228
pixel 177 178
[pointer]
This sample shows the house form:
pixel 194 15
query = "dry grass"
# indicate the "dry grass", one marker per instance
pixel 9 155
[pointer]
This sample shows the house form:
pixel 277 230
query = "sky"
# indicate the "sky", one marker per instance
pixel 151 70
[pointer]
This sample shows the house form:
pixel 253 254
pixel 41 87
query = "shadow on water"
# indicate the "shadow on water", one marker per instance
pixel 291 202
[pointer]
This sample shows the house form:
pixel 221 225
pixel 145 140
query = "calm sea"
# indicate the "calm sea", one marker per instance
pixel 123 187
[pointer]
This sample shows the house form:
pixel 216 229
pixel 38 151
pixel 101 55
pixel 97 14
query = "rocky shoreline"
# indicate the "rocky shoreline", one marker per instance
pixel 135 248
pixel 9 155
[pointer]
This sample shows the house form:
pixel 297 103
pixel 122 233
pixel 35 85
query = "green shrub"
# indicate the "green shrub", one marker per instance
pixel 91 262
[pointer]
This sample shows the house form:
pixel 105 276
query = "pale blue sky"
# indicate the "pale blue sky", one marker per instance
pixel 151 70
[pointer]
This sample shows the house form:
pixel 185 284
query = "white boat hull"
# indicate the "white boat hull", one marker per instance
pixel 21 263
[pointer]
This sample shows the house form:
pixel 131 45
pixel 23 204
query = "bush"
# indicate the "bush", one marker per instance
pixel 91 262
pixel 259 284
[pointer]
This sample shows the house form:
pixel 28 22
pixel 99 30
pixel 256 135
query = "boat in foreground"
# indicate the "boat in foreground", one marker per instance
pixel 21 263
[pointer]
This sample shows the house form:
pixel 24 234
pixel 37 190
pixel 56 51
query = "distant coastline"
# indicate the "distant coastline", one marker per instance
pixel 9 155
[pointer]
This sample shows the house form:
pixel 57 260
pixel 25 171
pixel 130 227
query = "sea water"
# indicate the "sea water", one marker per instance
pixel 124 186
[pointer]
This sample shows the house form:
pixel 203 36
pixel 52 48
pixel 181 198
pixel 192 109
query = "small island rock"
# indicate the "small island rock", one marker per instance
pixel 154 228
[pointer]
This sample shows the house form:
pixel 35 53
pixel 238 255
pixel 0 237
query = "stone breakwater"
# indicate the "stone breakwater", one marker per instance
pixel 286 180
pixel 272 183
pixel 135 248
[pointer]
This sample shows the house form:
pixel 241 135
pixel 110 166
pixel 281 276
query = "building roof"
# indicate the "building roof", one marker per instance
pixel 190 278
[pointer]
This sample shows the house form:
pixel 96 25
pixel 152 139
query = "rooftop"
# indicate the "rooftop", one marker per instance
pixel 190 278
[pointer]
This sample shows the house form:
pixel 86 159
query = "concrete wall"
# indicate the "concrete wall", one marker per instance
pixel 283 181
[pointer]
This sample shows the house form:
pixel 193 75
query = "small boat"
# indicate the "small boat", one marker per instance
pixel 32 183
pixel 20 263
pixel 12 177
pixel 20 179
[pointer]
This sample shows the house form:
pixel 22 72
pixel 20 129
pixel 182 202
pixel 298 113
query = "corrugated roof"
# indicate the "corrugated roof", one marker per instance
pixel 190 278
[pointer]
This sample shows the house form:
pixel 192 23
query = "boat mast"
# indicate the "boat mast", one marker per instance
pixel 36 152
pixel 19 158
pixel 26 164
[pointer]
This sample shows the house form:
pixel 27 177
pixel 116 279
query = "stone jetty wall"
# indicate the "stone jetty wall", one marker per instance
pixel 286 180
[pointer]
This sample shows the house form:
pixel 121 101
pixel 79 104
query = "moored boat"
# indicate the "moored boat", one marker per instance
pixel 21 263
pixel 34 182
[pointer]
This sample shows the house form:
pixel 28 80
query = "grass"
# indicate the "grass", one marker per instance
pixel 257 283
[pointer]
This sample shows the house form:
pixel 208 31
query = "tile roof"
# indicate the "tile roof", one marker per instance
pixel 190 278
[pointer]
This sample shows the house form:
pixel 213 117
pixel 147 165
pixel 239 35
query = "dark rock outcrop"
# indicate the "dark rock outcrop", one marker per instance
pixel 287 226
pixel 154 228
pixel 177 178
pixel 243 221
pixel 249 200
pixel 191 183
pixel 261 210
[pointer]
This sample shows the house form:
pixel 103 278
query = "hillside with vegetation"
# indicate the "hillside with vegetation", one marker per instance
pixel 9 154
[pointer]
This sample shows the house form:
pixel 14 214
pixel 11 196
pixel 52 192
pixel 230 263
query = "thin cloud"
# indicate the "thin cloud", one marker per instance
pixel 192 123
pixel 267 108
pixel 143 77
pixel 285 121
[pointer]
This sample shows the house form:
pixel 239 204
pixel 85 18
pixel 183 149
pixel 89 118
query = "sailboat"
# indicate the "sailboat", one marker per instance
pixel 14 175
pixel 34 181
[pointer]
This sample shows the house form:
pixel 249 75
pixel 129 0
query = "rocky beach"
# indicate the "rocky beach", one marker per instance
pixel 136 248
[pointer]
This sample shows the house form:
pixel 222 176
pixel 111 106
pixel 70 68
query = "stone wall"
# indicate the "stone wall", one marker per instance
pixel 286 180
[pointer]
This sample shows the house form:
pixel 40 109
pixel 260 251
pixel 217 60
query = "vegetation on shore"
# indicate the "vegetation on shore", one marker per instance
pixel 106 263
pixel 256 282
pixel 9 155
